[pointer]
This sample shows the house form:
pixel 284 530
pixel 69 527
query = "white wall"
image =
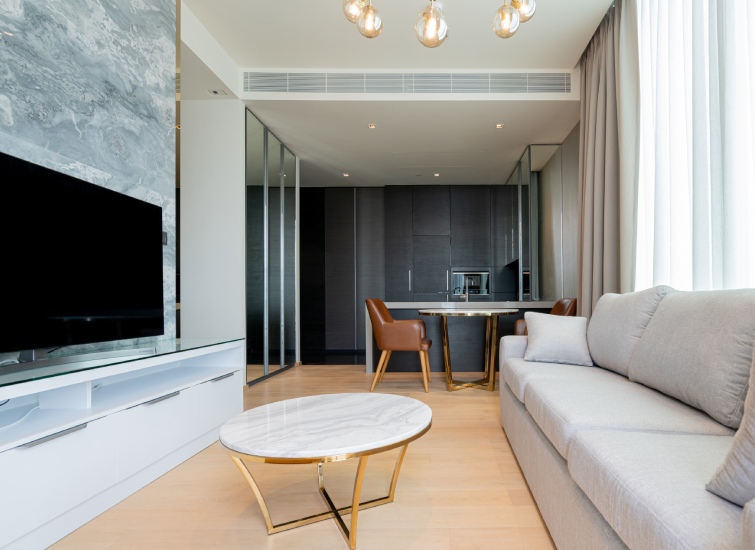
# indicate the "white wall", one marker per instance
pixel 213 295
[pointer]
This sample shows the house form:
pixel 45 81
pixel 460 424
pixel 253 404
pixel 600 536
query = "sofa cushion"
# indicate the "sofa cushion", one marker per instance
pixel 698 348
pixel 617 325
pixel 557 339
pixel 651 488
pixel 518 372
pixel 735 478
pixel 562 407
pixel 749 524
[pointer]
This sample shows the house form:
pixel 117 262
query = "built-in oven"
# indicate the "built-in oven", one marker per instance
pixel 467 284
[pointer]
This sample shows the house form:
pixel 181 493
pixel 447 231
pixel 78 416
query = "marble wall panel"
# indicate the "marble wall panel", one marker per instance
pixel 88 88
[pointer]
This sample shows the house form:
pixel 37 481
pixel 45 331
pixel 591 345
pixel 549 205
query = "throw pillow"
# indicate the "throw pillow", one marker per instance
pixel 557 339
pixel 735 478
pixel 697 348
pixel 617 325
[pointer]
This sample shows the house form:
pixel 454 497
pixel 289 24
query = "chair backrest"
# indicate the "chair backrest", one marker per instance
pixel 379 316
pixel 566 307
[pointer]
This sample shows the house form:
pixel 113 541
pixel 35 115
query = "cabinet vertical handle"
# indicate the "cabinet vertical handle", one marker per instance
pixel 446 280
pixel 410 280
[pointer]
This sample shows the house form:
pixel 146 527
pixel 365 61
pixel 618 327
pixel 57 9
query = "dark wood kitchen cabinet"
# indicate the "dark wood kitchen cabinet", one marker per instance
pixel 399 249
pixel 431 210
pixel 470 226
pixel 432 265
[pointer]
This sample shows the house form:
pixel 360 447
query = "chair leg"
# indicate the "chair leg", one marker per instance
pixel 427 364
pixel 424 370
pixel 385 365
pixel 381 367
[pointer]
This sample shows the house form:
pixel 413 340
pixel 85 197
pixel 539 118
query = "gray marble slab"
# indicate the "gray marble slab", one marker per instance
pixel 325 425
pixel 88 88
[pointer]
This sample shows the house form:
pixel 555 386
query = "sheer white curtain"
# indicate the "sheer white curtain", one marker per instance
pixel 696 193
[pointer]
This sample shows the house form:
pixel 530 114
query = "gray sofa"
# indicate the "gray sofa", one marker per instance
pixel 618 454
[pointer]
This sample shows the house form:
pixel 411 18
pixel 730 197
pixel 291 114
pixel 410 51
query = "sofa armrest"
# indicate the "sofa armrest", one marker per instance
pixel 511 346
pixel 748 525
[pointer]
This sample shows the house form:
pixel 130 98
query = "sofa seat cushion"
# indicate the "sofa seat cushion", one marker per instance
pixel 562 407
pixel 749 524
pixel 517 373
pixel 651 488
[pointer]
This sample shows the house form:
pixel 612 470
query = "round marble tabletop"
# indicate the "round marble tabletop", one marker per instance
pixel 326 427
pixel 467 312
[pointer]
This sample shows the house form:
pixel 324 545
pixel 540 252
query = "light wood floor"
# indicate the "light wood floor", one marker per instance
pixel 460 486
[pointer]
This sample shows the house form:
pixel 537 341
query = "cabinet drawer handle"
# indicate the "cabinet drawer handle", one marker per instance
pixel 162 398
pixel 222 377
pixel 50 437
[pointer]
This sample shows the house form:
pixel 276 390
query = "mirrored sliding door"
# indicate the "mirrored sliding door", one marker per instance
pixel 272 206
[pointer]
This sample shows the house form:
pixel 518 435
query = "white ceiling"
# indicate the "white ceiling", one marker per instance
pixel 455 138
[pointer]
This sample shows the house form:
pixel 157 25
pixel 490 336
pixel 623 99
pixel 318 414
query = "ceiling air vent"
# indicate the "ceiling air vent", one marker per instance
pixel 408 83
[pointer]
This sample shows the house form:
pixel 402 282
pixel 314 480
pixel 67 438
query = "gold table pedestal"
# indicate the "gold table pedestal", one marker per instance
pixel 491 344
pixel 349 532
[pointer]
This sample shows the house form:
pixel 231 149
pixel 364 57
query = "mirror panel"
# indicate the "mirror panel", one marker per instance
pixel 255 212
pixel 275 224
pixel 289 256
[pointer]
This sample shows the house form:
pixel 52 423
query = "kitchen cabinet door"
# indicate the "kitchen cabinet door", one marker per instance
pixel 398 244
pixel 431 210
pixel 432 255
pixel 470 226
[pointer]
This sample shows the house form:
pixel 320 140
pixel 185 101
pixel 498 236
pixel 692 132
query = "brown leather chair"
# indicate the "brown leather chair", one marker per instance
pixel 565 306
pixel 397 336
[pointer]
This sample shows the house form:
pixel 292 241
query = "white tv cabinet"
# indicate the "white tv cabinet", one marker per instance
pixel 76 439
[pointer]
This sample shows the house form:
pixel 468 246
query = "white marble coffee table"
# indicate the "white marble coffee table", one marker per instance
pixel 326 428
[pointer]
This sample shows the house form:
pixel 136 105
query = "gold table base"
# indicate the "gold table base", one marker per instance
pixel 349 532
pixel 491 347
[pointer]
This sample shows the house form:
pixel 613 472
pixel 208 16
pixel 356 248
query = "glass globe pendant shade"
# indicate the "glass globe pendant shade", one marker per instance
pixel 506 21
pixel 526 9
pixel 431 27
pixel 353 8
pixel 369 23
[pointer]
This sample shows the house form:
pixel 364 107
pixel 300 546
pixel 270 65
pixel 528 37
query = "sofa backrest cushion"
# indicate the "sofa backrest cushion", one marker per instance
pixel 698 348
pixel 617 324
pixel 735 478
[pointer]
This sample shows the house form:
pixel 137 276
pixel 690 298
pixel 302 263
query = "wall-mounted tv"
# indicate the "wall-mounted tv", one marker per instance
pixel 80 263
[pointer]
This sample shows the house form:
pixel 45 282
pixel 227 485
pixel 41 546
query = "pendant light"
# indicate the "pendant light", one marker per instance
pixel 506 21
pixel 353 8
pixel 526 9
pixel 431 27
pixel 369 24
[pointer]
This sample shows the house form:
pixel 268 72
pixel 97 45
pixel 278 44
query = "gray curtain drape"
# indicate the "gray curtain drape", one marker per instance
pixel 609 131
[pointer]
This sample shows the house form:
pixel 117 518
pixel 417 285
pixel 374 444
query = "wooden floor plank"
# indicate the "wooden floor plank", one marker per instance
pixel 460 486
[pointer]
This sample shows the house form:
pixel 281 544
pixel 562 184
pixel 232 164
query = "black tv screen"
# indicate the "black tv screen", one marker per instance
pixel 80 263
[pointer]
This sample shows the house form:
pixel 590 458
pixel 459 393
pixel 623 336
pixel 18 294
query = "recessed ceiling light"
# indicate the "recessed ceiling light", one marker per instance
pixel 345 175
pixel 499 126
pixel 371 126
pixel 436 174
